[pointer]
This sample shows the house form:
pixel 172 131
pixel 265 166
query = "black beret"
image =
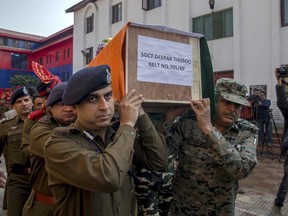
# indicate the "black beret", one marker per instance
pixel 84 82
pixel 20 92
pixel 32 90
pixel 56 94
pixel 45 89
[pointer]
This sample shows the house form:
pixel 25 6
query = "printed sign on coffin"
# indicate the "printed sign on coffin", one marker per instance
pixel 160 62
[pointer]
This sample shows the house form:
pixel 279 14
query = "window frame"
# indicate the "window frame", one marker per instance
pixel 151 4
pixel 284 13
pixel 117 13
pixel 90 23
pixel 68 52
pixel 211 22
pixel 15 43
pixel 57 56
pixel 4 41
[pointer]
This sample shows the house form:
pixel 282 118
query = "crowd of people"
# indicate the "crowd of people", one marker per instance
pixel 80 152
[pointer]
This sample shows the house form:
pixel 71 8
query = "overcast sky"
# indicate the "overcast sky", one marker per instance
pixel 38 17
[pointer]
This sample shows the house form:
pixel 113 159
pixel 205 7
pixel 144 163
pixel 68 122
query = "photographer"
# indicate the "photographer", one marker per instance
pixel 263 119
pixel 254 98
pixel 282 104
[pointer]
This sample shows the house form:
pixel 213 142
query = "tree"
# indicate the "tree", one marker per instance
pixel 23 80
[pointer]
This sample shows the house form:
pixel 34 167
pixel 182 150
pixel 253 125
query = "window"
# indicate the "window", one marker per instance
pixel 50 58
pixel 3 41
pixel 27 44
pixel 15 43
pixel 64 53
pixel 89 24
pixel 284 12
pixel 215 25
pixel 18 61
pixel 116 13
pixel 150 4
pixel 40 61
pixel 68 53
pixel 89 54
pixel 57 57
pixel 47 59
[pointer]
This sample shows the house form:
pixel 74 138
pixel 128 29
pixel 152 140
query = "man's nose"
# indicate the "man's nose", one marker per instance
pixel 103 104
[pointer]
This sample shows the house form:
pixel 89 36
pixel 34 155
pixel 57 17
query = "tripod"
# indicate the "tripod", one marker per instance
pixel 270 120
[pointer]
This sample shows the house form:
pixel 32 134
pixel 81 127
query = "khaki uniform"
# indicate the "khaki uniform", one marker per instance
pixel 41 200
pixel 90 177
pixel 18 187
pixel 25 155
pixel 209 167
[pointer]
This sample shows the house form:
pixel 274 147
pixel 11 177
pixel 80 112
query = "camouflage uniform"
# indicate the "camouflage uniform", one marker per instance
pixel 154 190
pixel 209 167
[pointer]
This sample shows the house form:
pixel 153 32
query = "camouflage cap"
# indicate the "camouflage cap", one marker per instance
pixel 232 90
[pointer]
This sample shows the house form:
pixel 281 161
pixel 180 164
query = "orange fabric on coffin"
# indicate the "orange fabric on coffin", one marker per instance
pixel 114 56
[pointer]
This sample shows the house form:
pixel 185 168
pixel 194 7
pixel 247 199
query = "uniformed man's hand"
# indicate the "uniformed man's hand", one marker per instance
pixel 129 107
pixel 202 110
pixel 2 179
pixel 279 80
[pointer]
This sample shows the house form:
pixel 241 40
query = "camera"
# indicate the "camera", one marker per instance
pixel 254 99
pixel 282 71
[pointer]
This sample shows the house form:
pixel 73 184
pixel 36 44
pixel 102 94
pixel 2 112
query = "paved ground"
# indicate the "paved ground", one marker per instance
pixel 259 188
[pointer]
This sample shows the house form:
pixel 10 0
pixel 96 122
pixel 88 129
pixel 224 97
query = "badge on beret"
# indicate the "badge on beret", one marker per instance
pixel 25 91
pixel 108 76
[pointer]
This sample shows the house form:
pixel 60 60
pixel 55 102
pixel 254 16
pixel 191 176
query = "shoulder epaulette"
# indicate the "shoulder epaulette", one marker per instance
pixel 6 119
pixel 45 119
pixel 64 131
pixel 36 115
pixel 247 124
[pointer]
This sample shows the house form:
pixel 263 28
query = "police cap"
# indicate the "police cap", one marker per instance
pixel 56 94
pixel 18 93
pixel 232 90
pixel 84 82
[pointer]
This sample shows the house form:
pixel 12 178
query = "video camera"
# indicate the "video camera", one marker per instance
pixel 282 71
pixel 254 99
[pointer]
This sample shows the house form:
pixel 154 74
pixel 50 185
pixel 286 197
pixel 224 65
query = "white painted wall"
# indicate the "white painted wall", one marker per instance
pixel 258 46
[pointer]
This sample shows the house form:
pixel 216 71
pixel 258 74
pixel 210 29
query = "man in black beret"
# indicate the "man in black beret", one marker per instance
pixel 18 92
pixel 18 187
pixel 88 162
pixel 41 201
pixel 43 88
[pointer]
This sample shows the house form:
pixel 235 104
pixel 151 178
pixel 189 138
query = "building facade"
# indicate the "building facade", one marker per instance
pixel 18 50
pixel 247 39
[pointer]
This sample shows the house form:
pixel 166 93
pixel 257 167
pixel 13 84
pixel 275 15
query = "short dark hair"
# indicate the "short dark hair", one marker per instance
pixel 34 96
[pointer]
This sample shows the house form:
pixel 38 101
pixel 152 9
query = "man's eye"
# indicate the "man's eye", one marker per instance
pixel 91 99
pixel 108 95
